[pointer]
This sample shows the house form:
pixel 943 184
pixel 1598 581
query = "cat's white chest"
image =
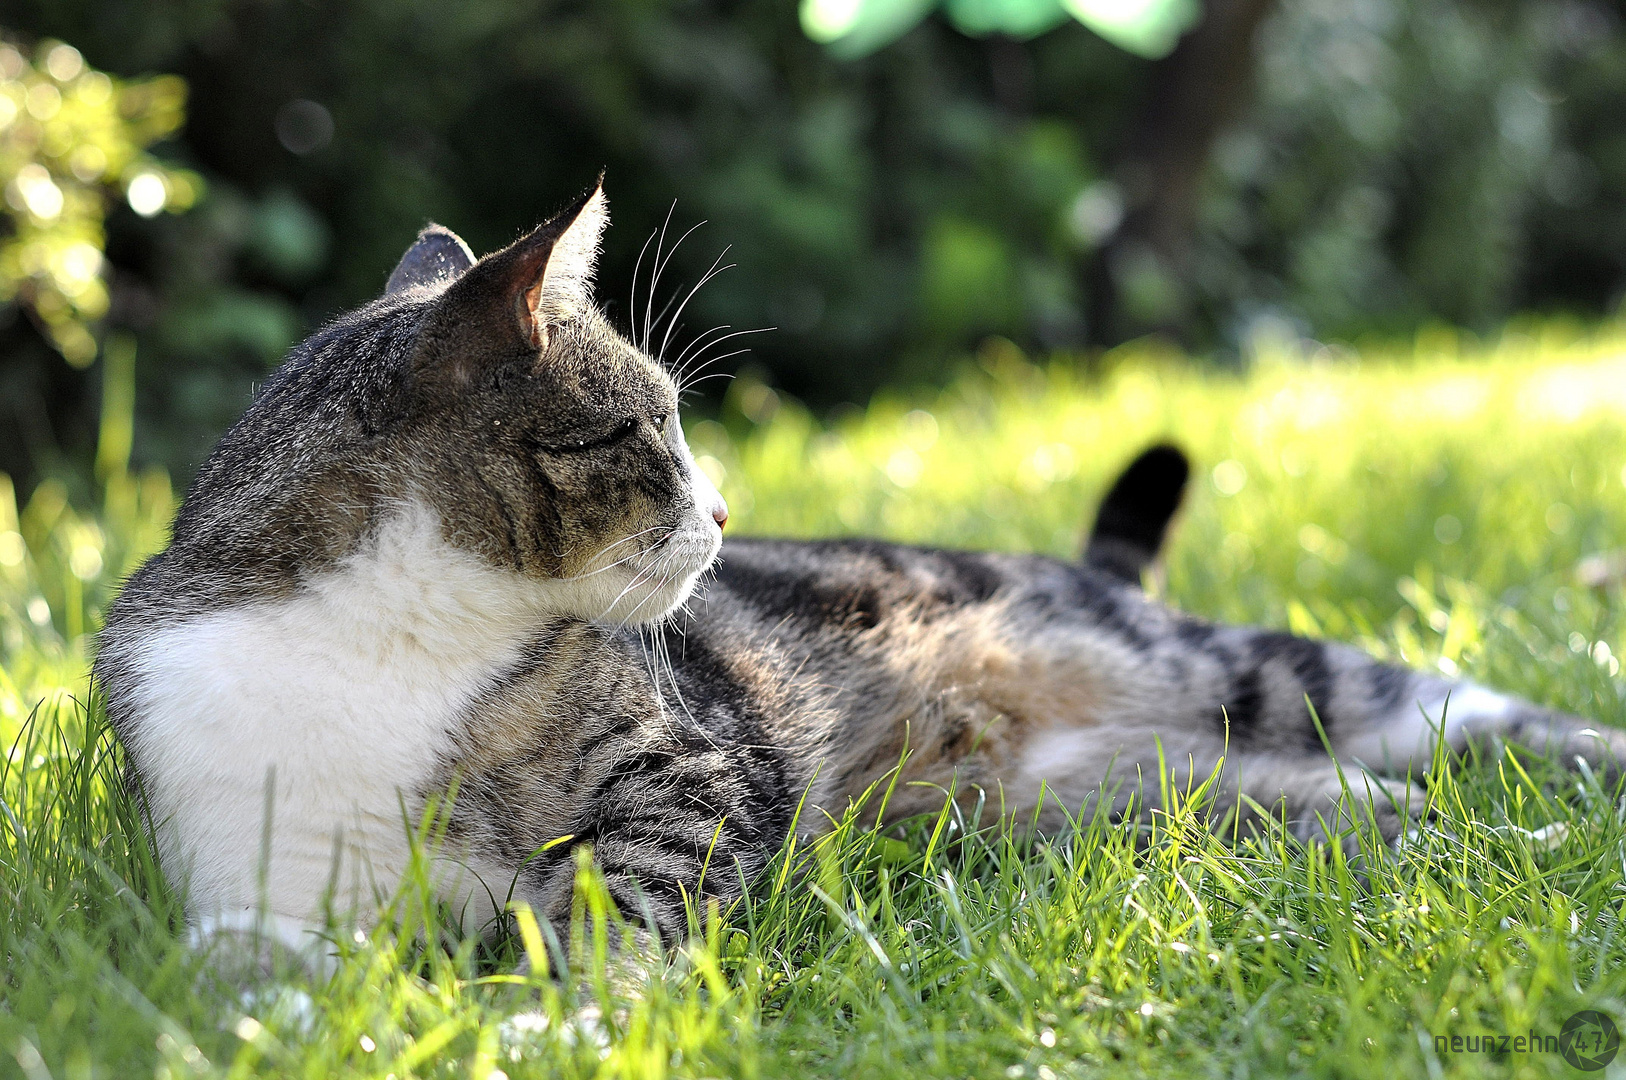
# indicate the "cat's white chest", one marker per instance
pixel 331 709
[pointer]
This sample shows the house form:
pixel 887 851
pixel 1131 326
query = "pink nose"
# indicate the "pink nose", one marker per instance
pixel 719 514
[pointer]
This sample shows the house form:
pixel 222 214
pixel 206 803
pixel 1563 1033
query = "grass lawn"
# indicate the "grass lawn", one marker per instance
pixel 1431 504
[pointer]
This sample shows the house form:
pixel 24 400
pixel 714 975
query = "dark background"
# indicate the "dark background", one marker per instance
pixel 1335 168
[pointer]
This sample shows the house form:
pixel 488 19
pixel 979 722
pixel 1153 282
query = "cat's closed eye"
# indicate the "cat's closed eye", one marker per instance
pixel 574 446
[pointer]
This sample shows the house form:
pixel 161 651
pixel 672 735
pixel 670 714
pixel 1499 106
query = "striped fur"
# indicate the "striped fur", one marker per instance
pixel 815 666
pixel 454 546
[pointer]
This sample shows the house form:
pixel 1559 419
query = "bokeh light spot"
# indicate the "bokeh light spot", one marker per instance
pixel 826 20
pixel 1230 476
pixel 304 126
pixel 64 63
pixel 146 194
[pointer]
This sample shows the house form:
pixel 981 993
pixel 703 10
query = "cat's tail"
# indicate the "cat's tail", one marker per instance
pixel 1134 517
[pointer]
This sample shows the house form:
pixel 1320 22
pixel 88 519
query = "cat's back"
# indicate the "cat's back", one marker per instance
pixel 848 586
pixel 263 505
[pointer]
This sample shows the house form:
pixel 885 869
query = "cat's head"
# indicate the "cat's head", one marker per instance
pixel 555 444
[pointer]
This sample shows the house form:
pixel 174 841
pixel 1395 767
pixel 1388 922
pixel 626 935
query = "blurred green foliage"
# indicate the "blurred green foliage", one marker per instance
pixel 1399 161
pixel 69 137
pixel 1444 159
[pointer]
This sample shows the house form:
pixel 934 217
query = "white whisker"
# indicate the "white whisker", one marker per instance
pixel 713 375
pixel 637 580
pixel 632 294
pixel 619 562
pixel 655 279
pixel 710 273
pixel 649 297
pixel 679 366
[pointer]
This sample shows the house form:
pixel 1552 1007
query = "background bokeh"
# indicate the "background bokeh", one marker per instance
pixel 1329 169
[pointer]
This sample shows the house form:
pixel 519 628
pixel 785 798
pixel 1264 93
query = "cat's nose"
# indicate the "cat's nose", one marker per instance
pixel 719 514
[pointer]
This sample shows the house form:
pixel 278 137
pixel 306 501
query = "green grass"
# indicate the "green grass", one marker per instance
pixel 1429 505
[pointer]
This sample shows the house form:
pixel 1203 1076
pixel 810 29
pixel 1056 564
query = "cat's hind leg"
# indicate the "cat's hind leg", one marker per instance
pixel 1411 712
pixel 1145 772
pixel 1370 714
pixel 1271 706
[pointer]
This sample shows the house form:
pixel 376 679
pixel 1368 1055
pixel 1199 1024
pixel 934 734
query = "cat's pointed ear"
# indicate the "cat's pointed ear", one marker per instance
pixel 517 296
pixel 438 255
pixel 561 284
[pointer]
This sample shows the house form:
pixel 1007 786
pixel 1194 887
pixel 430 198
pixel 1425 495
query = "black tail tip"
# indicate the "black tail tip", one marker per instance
pixel 1134 517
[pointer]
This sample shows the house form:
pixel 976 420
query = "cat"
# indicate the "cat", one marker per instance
pixel 457 544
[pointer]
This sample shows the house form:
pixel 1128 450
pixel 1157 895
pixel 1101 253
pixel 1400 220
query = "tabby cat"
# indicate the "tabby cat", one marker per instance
pixel 458 540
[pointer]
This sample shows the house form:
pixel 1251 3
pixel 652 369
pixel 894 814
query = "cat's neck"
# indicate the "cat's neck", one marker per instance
pixel 409 585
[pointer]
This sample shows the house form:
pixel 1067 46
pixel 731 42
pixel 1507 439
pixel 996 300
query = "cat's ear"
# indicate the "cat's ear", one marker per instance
pixel 564 288
pixel 438 255
pixel 525 291
pixel 560 273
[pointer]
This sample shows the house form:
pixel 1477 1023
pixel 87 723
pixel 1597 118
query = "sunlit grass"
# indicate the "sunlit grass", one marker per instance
pixel 1432 506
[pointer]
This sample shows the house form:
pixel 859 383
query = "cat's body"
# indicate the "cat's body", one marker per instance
pixel 453 546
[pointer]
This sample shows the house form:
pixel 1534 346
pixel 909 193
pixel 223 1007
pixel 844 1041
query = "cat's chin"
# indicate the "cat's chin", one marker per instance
pixel 655 605
pixel 643 590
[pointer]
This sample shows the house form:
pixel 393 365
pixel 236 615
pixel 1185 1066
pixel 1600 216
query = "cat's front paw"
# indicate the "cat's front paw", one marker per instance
pixel 248 948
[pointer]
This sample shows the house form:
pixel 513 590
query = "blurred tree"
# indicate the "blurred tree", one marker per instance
pixel 1201 81
pixel 1141 277
pixel 71 138
pixel 1410 160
